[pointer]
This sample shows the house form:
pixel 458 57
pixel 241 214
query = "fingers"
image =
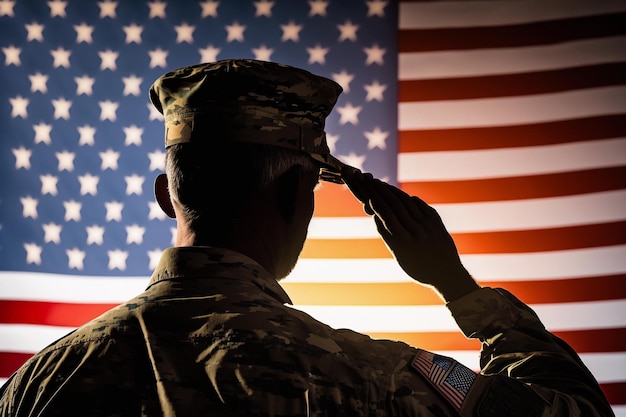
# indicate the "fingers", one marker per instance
pixel 400 214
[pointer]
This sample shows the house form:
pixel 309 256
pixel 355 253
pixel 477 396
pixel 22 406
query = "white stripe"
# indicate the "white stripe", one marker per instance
pixel 577 263
pixel 556 317
pixel 511 162
pixel 511 110
pixel 498 61
pixel 588 262
pixel 619 410
pixel 538 213
pixel 459 14
pixel 33 286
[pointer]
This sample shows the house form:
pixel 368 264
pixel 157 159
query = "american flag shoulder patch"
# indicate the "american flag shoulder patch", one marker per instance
pixel 452 379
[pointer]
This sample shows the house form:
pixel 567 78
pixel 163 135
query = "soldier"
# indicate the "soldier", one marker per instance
pixel 213 333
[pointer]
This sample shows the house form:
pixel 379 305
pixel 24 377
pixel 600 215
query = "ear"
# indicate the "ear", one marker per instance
pixel 287 186
pixel 162 195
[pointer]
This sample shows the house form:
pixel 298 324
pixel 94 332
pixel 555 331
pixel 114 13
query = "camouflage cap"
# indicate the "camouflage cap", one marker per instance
pixel 249 101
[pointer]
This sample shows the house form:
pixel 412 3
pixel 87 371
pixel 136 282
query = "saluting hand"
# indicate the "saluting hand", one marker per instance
pixel 415 234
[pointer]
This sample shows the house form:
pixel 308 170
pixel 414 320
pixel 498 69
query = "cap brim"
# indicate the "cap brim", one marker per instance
pixel 331 168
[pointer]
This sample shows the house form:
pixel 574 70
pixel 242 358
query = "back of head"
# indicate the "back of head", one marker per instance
pixel 233 126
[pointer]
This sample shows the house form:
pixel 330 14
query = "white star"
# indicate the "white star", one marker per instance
pixel 184 33
pixel 107 9
pixel 66 161
pixel 317 54
pixel 235 32
pixel 291 31
pixel 6 8
pixel 318 7
pixel 158 58
pixel 154 113
pixel 209 8
pixel 38 82
pixel 157 160
pixel 134 234
pixel 155 211
pixel 108 59
pixel 263 8
pixel 132 85
pixel 87 134
pixel 57 8
pixel 209 54
pixel 354 160
pixel 84 85
pixel 155 257
pixel 133 135
pixel 88 184
pixel 109 159
pixel 262 53
pixel 22 157
pixel 375 91
pixel 61 109
pixel 157 9
pixel 33 253
pixel 12 56
pixel 72 210
pixel 374 55
pixel 173 233
pixel 376 138
pixel 114 211
pixel 133 33
pixel 83 33
pixel 49 184
pixel 61 57
pixel 347 31
pixel 35 32
pixel 95 235
pixel 108 110
pixel 376 8
pixel 52 233
pixel 343 79
pixel 349 114
pixel 134 184
pixel 42 133
pixel 117 259
pixel 331 141
pixel 19 107
pixel 29 207
pixel 75 258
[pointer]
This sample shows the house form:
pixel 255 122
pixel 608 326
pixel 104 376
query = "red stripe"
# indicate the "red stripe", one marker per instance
pixel 540 82
pixel 519 188
pixel 615 392
pixel 551 133
pixel 50 313
pixel 538 33
pixel 11 361
pixel 541 240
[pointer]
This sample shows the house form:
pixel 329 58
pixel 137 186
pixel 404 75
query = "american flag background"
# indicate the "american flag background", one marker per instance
pixel 508 116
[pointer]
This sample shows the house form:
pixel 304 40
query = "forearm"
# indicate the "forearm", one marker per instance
pixel 518 348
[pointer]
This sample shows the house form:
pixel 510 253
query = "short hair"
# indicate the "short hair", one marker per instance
pixel 215 181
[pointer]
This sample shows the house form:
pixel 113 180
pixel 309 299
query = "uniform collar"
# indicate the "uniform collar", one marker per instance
pixel 208 262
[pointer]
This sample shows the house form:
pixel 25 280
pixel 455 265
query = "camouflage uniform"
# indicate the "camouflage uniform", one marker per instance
pixel 214 334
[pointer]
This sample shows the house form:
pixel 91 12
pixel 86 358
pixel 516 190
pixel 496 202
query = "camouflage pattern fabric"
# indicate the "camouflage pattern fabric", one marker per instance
pixel 214 335
pixel 246 100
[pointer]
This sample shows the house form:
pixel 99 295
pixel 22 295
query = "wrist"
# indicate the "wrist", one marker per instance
pixel 456 286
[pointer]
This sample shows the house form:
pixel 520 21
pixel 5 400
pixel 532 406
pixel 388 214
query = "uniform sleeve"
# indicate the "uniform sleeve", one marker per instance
pixel 525 370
